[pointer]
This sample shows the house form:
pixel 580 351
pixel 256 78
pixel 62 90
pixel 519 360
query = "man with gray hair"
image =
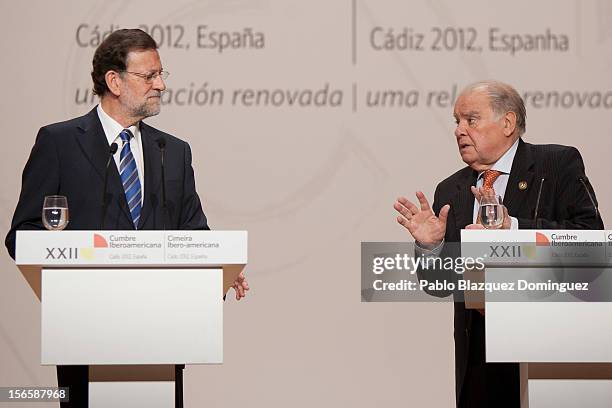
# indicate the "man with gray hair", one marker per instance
pixel 491 120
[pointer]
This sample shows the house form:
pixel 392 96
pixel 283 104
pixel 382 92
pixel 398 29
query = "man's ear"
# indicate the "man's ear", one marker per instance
pixel 113 80
pixel 509 123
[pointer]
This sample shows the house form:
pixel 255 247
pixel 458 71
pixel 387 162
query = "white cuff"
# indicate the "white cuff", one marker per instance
pixel 514 223
pixel 419 250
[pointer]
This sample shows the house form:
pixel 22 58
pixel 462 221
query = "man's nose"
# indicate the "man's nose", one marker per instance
pixel 460 130
pixel 159 83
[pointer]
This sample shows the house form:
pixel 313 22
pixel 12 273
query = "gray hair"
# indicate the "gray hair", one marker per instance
pixel 503 99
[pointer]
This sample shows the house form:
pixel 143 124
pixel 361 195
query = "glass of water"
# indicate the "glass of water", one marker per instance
pixel 55 213
pixel 491 211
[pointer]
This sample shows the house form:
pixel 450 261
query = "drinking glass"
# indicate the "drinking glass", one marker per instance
pixel 55 213
pixel 491 211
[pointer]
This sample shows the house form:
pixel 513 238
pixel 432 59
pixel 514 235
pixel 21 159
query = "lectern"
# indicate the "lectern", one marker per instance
pixel 131 305
pixel 562 340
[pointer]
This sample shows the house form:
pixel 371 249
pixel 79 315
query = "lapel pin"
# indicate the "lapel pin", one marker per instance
pixel 522 185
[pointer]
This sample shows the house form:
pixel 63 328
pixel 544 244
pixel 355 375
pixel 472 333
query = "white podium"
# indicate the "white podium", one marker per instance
pixel 564 347
pixel 131 305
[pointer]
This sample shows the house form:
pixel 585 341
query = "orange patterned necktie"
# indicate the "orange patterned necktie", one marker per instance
pixel 489 178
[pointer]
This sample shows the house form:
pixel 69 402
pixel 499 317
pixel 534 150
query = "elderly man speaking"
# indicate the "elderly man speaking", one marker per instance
pixel 491 121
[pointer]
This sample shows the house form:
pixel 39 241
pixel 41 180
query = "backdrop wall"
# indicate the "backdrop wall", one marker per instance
pixel 306 120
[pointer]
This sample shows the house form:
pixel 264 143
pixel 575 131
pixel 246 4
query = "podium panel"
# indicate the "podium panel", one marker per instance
pixel 143 394
pixel 536 332
pixel 570 393
pixel 132 316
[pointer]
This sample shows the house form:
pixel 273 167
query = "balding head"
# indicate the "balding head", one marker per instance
pixel 503 99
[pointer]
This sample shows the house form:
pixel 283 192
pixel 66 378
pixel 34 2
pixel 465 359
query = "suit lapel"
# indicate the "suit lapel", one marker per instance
pixel 464 198
pixel 93 142
pixel 94 146
pixel 522 171
pixel 152 170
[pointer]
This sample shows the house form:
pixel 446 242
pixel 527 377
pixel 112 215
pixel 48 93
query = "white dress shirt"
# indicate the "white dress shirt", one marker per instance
pixel 112 129
pixel 503 165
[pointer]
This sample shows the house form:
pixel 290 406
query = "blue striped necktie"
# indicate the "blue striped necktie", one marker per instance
pixel 129 177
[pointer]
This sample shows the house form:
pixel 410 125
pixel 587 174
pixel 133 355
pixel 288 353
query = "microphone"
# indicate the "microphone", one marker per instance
pixel 112 150
pixel 590 196
pixel 161 143
pixel 537 207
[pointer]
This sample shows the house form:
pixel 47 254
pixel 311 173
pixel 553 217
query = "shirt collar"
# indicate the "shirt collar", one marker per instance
pixel 504 164
pixel 112 128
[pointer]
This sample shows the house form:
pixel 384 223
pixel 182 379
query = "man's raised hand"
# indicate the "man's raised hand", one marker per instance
pixel 425 227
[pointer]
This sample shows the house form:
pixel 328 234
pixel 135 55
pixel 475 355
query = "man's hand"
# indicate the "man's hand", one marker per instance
pixel 478 194
pixel 241 286
pixel 423 225
pixel 474 226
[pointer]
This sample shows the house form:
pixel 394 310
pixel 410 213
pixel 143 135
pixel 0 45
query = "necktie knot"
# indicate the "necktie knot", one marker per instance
pixel 489 178
pixel 125 135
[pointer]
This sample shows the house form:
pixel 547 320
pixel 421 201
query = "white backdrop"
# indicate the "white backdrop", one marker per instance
pixel 355 117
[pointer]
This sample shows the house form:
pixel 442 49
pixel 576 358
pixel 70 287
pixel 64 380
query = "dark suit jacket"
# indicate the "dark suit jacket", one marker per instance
pixel 564 204
pixel 69 159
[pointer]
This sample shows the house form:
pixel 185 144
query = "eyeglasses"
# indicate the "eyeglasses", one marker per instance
pixel 152 76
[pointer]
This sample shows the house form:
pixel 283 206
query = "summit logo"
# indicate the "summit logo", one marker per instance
pixel 98 242
pixel 541 240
